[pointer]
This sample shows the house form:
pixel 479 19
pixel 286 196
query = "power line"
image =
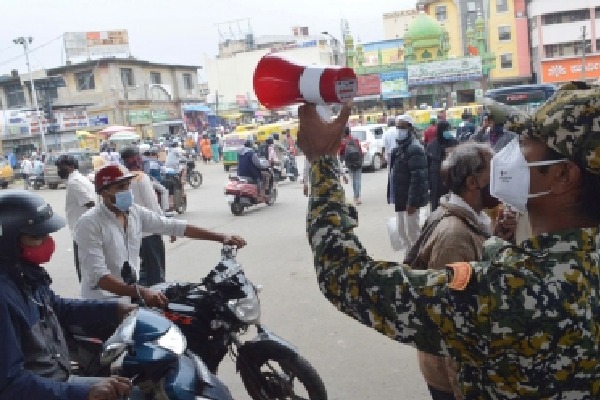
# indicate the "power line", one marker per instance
pixel 31 50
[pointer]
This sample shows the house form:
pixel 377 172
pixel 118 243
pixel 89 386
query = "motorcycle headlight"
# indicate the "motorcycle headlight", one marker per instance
pixel 173 340
pixel 246 310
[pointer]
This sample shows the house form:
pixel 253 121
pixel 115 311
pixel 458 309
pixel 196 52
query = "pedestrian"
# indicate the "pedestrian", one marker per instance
pixel 35 355
pixel 26 170
pixel 152 248
pixel 408 188
pixel 352 154
pixel 497 136
pixel 454 232
pixel 436 151
pixel 430 133
pixel 520 324
pixel 390 141
pixel 205 149
pixel 109 239
pixel 214 147
pixel 80 197
pixel 466 128
pixel 290 143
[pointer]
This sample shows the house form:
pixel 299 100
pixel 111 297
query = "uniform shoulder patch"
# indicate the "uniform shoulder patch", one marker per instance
pixel 462 272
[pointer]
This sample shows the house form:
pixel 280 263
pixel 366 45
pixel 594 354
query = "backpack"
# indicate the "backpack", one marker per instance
pixel 352 156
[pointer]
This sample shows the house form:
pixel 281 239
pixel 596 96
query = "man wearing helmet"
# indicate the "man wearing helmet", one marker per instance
pixel 249 165
pixel 35 358
pixel 109 238
pixel 80 196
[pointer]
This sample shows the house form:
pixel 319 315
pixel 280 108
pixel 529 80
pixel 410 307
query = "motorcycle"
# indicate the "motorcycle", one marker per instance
pixel 215 313
pixel 286 169
pixel 36 181
pixel 241 193
pixel 193 177
pixel 151 351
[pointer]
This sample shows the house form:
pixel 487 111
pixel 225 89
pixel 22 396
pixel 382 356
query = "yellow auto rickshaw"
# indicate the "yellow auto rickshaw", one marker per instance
pixel 232 143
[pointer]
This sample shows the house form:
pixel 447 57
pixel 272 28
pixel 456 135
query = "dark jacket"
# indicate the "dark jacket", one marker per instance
pixel 436 154
pixel 248 164
pixel 35 358
pixel 409 174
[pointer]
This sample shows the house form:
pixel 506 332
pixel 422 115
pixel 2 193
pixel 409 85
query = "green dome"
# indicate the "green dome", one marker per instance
pixel 423 27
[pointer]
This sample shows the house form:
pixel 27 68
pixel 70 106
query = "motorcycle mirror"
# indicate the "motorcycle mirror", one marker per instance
pixel 258 288
pixel 112 352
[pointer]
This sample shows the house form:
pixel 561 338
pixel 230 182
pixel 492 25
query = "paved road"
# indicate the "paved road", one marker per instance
pixel 355 362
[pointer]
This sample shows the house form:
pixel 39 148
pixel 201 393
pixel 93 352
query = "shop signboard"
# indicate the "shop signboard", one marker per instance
pixel 368 85
pixel 393 85
pixel 160 115
pixel 71 120
pixel 451 70
pixel 96 44
pixel 140 117
pixel 96 120
pixel 382 56
pixel 570 69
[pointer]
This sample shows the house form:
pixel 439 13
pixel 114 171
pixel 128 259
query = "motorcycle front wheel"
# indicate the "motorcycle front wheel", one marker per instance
pixel 278 372
pixel 195 179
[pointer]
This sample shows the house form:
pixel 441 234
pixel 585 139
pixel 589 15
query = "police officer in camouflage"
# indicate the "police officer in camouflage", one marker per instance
pixel 524 323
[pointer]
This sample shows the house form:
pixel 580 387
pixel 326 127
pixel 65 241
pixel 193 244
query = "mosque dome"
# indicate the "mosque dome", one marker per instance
pixel 423 27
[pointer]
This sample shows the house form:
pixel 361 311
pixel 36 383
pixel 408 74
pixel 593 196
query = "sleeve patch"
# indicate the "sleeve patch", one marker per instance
pixel 462 273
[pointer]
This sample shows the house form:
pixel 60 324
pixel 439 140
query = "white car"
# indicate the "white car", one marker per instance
pixel 371 141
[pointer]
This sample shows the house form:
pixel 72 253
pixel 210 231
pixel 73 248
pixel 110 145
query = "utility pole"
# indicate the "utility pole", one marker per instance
pixel 25 41
pixel 126 96
pixel 217 106
pixel 583 46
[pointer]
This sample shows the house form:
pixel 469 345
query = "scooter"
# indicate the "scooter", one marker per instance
pixel 151 351
pixel 192 176
pixel 241 193
pixel 36 181
pixel 215 314
pixel 286 169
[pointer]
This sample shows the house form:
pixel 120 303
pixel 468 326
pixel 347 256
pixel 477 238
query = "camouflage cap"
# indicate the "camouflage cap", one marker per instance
pixel 569 123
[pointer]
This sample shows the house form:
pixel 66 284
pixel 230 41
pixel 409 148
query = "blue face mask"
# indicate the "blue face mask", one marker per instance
pixel 448 135
pixel 124 200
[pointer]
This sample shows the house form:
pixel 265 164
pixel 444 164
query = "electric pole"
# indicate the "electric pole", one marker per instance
pixel 25 41
pixel 583 46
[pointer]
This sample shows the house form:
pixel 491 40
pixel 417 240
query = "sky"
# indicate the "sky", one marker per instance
pixel 176 31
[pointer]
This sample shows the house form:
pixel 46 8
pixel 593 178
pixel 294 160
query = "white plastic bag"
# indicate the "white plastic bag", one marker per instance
pixel 392 228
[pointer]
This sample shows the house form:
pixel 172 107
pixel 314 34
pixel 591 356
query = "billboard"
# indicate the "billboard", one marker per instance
pixel 368 85
pixel 383 56
pixel 570 69
pixel 96 44
pixel 394 85
pixel 451 70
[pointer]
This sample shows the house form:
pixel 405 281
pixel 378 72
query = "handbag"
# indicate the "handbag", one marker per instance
pixel 392 228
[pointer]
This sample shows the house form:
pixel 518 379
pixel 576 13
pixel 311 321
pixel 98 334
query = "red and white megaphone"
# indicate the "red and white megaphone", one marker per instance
pixel 279 82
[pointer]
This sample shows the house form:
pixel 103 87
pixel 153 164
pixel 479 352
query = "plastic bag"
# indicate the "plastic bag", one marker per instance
pixel 392 228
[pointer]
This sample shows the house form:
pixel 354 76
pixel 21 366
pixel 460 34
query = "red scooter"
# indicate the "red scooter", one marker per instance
pixel 241 193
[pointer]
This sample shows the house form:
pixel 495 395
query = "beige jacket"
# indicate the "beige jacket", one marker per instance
pixel 451 241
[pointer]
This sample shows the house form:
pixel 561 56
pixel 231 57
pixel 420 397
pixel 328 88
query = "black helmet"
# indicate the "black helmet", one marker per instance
pixel 129 152
pixel 249 143
pixel 24 212
pixel 269 140
pixel 67 159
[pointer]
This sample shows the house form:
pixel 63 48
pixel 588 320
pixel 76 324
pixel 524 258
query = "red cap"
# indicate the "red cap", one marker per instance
pixel 110 174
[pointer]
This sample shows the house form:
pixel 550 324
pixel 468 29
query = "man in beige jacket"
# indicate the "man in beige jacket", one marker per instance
pixel 455 232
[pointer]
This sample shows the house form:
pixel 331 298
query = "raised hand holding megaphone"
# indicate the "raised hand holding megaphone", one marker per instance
pixel 279 82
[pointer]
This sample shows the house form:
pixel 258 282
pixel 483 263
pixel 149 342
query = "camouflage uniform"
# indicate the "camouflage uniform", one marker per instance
pixel 522 324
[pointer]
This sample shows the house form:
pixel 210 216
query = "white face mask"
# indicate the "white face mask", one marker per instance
pixel 402 134
pixel 510 176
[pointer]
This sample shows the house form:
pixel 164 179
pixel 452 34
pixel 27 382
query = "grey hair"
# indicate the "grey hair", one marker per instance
pixel 464 160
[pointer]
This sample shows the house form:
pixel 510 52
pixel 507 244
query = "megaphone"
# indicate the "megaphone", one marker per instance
pixel 280 82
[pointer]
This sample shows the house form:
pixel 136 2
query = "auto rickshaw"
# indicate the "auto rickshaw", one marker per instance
pixel 232 143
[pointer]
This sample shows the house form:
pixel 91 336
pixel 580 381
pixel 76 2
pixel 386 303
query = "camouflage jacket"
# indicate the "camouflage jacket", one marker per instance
pixel 524 324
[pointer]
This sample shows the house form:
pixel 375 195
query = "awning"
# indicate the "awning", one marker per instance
pixel 196 107
pixel 369 97
pixel 396 96
pixel 233 115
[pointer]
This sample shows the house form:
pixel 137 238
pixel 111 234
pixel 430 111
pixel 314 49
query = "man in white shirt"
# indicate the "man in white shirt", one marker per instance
pixel 109 238
pixel 27 170
pixel 81 196
pixel 389 140
pixel 152 250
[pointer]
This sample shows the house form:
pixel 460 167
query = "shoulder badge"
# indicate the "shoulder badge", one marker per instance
pixel 461 276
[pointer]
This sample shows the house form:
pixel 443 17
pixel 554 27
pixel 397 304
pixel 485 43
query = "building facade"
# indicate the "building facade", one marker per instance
pixel 396 23
pixel 557 39
pixel 148 96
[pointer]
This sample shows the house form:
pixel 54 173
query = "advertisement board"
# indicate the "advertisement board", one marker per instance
pixel 140 117
pixel 452 70
pixel 570 69
pixel 368 85
pixel 394 85
pixel 382 56
pixel 96 44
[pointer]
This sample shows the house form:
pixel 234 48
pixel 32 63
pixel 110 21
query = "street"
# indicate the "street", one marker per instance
pixel 354 362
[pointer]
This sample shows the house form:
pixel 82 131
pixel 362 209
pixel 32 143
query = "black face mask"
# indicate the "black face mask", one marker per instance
pixel 63 173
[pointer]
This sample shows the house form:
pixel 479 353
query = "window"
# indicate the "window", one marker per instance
pixel 85 80
pixel 441 13
pixel 127 77
pixel 155 78
pixel 506 61
pixel 551 50
pixel 471 7
pixel 187 82
pixel 501 6
pixel 15 96
pixel 504 33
